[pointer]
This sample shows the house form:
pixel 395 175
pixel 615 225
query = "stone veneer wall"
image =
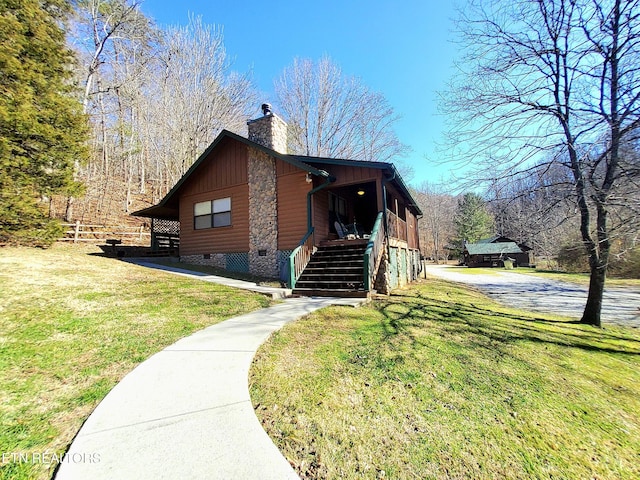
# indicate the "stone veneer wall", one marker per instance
pixel 381 283
pixel 263 215
pixel 269 131
pixel 216 260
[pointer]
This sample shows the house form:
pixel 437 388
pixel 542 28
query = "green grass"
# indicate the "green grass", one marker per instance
pixel 440 382
pixel 72 325
pixel 475 271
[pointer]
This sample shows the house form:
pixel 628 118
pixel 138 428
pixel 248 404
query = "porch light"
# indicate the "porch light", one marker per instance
pixel 360 192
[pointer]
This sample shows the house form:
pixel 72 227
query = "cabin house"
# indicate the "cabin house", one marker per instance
pixel 493 251
pixel 325 226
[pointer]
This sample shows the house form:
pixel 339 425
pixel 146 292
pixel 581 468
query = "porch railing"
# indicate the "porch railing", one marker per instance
pixel 397 226
pixel 373 253
pixel 300 257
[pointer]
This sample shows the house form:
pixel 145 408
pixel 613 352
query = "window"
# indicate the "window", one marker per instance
pixel 337 205
pixel 202 215
pixel 222 212
pixel 216 213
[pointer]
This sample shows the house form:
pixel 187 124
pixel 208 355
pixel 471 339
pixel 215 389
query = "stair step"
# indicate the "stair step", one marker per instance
pixel 320 270
pixel 335 270
pixel 353 280
pixel 338 257
pixel 337 267
pixel 329 285
pixel 354 258
pixel 338 254
pixel 334 264
pixel 310 292
pixel 342 249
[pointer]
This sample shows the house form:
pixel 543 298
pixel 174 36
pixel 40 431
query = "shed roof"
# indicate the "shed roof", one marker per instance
pixel 494 239
pixel 492 248
pixel 503 239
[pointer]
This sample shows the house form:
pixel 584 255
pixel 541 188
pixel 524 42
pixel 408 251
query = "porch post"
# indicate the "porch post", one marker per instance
pixel 327 181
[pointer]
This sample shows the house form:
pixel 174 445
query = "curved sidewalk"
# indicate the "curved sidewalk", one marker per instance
pixel 186 412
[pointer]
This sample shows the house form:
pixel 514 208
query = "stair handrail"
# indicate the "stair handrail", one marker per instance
pixel 373 253
pixel 300 257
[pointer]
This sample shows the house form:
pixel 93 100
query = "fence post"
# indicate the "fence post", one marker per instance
pixel 76 233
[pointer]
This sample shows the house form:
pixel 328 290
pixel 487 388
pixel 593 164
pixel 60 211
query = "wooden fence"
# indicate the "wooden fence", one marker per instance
pixel 128 235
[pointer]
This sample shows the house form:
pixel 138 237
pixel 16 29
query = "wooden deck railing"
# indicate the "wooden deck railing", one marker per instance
pixel 300 257
pixel 373 253
pixel 165 241
pixel 397 226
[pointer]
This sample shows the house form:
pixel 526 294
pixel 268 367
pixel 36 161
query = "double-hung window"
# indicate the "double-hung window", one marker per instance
pixel 212 214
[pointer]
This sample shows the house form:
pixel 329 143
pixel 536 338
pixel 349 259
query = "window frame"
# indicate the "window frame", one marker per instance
pixel 219 208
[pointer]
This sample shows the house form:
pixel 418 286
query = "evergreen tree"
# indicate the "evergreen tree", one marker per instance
pixel 472 219
pixel 42 128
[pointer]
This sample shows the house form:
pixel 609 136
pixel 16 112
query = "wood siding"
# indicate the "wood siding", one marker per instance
pixel 284 168
pixel 347 175
pixel 412 231
pixel 320 207
pixel 216 240
pixel 497 260
pixel 226 167
pixel 292 205
pixel 223 174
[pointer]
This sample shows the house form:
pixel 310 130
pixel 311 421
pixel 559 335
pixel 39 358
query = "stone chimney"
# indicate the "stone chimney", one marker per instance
pixel 269 130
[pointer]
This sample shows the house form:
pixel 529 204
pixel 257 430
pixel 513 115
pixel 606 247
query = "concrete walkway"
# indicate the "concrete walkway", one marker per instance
pixel 274 292
pixel 185 413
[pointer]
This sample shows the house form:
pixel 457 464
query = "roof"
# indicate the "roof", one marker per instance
pixel 388 167
pixel 168 207
pixel 158 211
pixel 503 239
pixel 491 239
pixel 492 248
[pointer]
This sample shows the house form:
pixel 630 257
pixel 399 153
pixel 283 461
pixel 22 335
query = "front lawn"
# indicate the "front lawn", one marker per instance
pixel 72 325
pixel 440 382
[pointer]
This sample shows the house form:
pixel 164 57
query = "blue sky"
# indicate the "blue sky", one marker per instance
pixel 401 49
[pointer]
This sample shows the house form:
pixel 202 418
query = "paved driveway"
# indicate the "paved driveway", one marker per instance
pixel 620 306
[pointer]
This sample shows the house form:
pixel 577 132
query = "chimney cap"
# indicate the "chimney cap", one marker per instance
pixel 266 109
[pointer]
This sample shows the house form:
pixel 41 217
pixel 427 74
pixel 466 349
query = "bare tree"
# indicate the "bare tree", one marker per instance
pixel 156 99
pixel 193 95
pixel 555 79
pixel 437 225
pixel 98 25
pixel 535 208
pixel 102 22
pixel 334 115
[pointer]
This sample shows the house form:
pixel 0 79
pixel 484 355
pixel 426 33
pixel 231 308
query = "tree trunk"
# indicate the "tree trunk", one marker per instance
pixel 593 309
pixel 68 213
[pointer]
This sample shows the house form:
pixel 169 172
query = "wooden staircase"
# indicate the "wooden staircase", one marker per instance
pixel 335 270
